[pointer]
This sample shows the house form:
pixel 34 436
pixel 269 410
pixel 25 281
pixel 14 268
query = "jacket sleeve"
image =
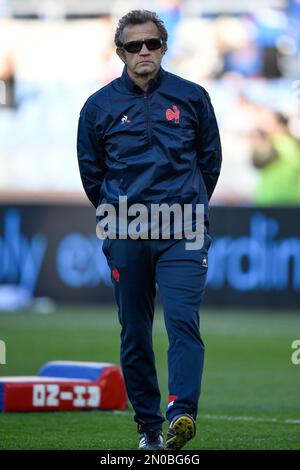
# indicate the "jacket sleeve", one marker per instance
pixel 209 145
pixel 91 154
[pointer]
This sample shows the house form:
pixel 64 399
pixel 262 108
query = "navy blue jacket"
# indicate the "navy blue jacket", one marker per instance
pixel 160 146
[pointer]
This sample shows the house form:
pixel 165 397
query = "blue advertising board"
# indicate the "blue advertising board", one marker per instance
pixel 53 251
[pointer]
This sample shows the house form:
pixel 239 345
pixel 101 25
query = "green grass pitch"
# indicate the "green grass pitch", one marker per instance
pixel 250 393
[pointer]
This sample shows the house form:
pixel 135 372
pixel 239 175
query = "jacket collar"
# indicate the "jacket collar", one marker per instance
pixel 132 86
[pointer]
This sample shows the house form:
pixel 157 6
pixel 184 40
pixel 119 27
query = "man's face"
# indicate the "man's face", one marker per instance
pixel 144 62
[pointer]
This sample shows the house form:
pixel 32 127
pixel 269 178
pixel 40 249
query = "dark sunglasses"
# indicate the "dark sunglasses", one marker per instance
pixel 152 44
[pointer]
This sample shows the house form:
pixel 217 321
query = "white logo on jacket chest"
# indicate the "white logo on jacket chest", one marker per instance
pixel 125 119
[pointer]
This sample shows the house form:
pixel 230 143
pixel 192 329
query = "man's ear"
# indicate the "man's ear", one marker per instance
pixel 121 54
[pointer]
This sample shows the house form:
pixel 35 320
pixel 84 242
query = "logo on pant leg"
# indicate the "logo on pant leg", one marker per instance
pixel 204 262
pixel 171 400
pixel 115 274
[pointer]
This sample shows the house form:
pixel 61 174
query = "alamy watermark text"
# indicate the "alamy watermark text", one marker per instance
pixel 154 221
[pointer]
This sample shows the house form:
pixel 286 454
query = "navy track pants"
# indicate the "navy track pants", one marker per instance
pixel 136 267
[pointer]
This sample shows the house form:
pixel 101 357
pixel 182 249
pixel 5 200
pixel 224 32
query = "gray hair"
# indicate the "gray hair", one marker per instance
pixel 140 17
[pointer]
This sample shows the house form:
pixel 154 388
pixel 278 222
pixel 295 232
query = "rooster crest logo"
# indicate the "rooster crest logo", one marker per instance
pixel 173 113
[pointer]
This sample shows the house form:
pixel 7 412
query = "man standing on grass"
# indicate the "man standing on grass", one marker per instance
pixel 151 137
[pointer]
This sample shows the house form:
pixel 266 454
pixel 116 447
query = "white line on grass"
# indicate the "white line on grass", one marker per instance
pixel 251 418
pixel 235 418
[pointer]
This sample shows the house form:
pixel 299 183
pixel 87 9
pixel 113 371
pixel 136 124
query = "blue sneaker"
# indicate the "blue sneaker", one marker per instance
pixel 181 430
pixel 151 440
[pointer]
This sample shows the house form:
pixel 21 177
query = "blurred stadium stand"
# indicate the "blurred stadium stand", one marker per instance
pixel 72 8
pixel 54 54
pixel 245 53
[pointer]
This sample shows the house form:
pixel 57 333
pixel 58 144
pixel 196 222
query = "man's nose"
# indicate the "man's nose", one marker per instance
pixel 144 50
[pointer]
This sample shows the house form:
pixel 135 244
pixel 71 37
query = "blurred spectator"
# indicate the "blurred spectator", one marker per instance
pixel 237 46
pixel 170 12
pixel 7 82
pixel 276 153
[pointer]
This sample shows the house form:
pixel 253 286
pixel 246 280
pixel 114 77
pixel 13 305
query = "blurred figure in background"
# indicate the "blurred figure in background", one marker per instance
pixel 276 154
pixel 7 82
